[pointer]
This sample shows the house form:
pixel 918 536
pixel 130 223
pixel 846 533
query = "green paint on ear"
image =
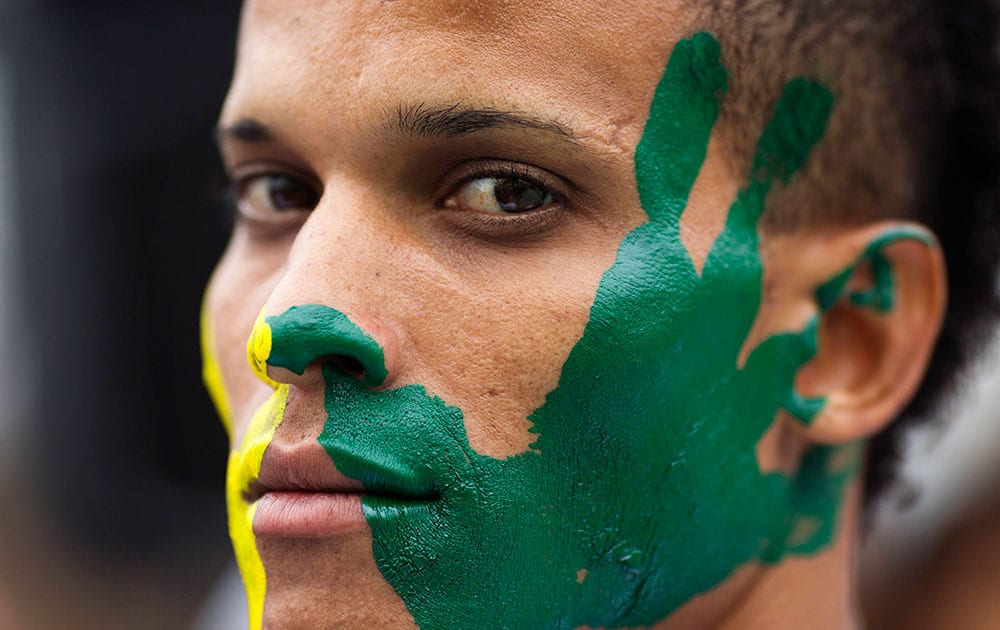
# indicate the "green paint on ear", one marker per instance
pixel 881 296
pixel 644 476
pixel 802 347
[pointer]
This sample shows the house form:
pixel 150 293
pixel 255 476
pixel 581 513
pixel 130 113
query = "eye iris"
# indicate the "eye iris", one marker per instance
pixel 287 193
pixel 518 195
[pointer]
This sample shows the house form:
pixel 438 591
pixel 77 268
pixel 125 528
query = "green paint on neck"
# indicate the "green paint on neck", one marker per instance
pixel 643 478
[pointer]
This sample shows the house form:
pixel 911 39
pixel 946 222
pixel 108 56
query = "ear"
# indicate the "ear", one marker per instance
pixel 879 318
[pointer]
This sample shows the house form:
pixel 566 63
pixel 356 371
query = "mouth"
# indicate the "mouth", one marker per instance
pixel 299 493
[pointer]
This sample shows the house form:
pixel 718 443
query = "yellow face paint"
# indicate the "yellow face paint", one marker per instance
pixel 245 459
pixel 259 348
pixel 243 468
pixel 211 374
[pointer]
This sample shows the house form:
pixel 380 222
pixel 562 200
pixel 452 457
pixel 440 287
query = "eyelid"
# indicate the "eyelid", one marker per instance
pixel 501 228
pixel 245 171
pixel 244 175
pixel 470 170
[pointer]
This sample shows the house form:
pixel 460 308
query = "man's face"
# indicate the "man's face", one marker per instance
pixel 503 375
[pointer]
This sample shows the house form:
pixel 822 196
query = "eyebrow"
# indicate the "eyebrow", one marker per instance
pixel 245 129
pixel 450 121
pixel 423 121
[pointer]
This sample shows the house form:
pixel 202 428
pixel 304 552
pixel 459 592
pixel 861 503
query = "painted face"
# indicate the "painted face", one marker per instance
pixel 502 367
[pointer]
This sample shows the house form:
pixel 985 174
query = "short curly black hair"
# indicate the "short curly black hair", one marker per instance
pixel 915 134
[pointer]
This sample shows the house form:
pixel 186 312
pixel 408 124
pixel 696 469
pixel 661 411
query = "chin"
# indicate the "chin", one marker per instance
pixel 328 583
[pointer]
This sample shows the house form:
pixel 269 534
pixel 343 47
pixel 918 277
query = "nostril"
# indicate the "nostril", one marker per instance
pixel 324 337
pixel 349 366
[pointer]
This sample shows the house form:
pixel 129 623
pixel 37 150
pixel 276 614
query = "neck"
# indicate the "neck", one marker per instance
pixel 814 591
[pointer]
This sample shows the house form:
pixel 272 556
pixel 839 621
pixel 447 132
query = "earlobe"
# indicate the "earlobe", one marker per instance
pixel 879 319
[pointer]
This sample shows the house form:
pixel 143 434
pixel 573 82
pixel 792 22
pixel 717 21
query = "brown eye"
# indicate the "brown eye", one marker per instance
pixel 501 195
pixel 264 195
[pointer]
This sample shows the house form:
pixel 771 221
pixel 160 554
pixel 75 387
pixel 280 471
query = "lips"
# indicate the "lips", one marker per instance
pixel 300 493
pixel 305 468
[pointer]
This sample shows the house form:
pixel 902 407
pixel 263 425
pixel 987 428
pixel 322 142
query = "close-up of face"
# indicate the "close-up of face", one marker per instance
pixel 492 337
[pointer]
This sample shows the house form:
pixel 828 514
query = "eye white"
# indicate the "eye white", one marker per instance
pixel 273 193
pixel 257 195
pixel 502 195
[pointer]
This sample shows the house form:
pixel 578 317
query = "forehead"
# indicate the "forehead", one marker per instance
pixel 589 63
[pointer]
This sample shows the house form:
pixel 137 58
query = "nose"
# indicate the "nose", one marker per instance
pixel 327 305
pixel 314 334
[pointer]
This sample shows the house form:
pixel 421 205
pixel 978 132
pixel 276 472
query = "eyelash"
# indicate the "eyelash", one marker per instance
pixel 503 225
pixel 240 189
pixel 487 224
pixel 511 170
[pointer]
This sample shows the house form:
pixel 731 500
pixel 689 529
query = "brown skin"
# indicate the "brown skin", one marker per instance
pixel 482 309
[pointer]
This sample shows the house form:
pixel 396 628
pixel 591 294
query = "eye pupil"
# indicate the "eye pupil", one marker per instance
pixel 287 193
pixel 518 195
pixel 501 194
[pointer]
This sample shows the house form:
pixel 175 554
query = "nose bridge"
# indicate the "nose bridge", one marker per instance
pixel 328 256
pixel 304 319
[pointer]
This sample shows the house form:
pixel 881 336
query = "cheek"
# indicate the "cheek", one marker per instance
pixel 234 297
pixel 499 361
pixel 495 344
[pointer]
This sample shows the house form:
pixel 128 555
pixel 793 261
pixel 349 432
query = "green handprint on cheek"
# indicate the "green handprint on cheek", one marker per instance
pixel 642 488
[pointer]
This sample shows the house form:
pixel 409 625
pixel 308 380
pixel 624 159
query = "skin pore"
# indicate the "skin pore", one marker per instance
pixel 584 547
pixel 512 398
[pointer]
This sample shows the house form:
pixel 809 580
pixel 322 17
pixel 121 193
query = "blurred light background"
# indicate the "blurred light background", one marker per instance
pixel 932 559
pixel 111 459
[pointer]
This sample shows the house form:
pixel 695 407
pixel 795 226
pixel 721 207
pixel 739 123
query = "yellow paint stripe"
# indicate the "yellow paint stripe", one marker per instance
pixel 259 348
pixel 211 374
pixel 243 468
pixel 245 460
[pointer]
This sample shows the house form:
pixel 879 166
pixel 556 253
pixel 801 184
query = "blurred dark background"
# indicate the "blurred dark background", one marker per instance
pixel 112 460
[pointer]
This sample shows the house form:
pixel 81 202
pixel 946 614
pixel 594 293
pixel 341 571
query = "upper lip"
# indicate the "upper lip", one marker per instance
pixel 309 468
pixel 305 468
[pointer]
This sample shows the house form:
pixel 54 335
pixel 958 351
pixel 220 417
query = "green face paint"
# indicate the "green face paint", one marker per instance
pixel 642 488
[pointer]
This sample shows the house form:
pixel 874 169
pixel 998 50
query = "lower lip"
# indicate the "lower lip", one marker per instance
pixel 297 514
